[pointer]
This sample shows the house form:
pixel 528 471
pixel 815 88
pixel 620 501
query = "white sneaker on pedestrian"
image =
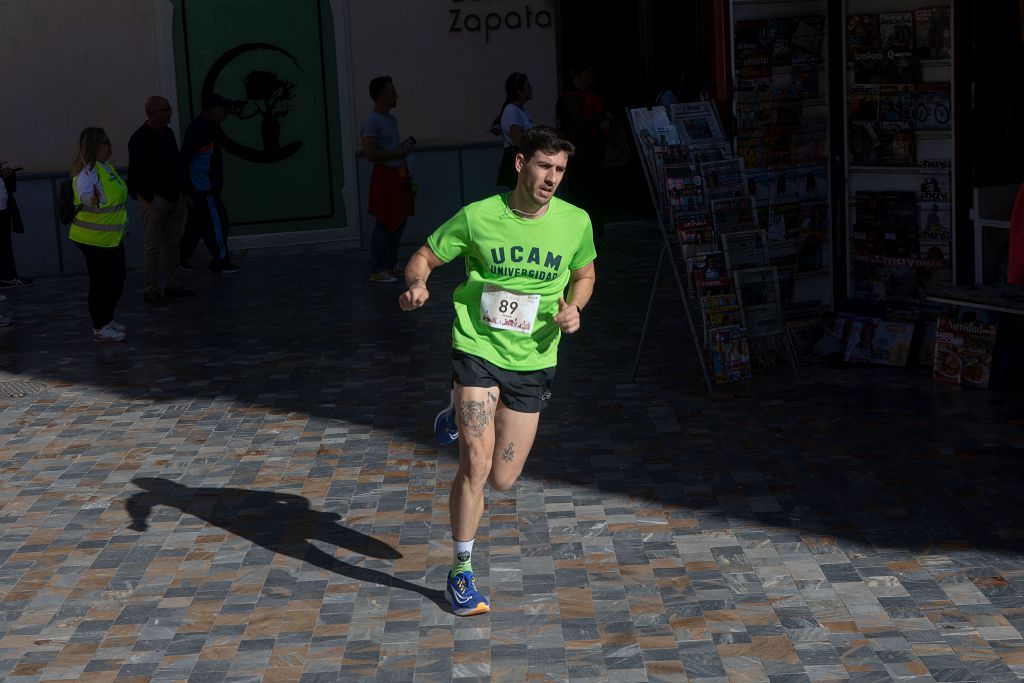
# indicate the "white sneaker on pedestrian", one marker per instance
pixel 113 324
pixel 108 333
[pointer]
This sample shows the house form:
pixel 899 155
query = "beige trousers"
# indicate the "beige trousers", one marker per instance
pixel 164 222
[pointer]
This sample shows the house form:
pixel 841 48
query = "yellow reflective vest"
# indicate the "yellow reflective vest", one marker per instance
pixel 104 225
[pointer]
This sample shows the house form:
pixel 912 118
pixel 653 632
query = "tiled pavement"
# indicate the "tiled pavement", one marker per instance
pixel 247 490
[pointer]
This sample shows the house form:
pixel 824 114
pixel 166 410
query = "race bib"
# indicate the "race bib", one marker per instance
pixel 505 310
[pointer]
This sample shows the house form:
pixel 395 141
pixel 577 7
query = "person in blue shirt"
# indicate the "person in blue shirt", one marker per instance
pixel 204 181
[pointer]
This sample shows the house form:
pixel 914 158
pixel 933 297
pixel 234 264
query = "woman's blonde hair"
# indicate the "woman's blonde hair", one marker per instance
pixel 88 143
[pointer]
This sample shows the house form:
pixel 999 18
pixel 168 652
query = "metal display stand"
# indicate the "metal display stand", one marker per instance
pixel 659 201
pixel 680 194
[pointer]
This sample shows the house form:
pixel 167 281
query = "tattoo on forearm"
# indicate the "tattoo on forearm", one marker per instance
pixel 509 454
pixel 416 281
pixel 475 417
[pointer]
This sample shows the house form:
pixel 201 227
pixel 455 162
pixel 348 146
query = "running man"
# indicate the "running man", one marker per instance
pixel 521 249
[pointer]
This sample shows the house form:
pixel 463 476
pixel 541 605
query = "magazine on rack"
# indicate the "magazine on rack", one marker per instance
pixel 935 222
pixel 862 34
pixel 698 127
pixel 684 193
pixel 745 250
pixel 750 148
pixel 719 311
pixel 719 151
pixel 865 143
pixel 896 30
pixel 932 35
pixel 932 106
pixel 936 253
pixel 864 101
pixel 809 146
pixel 814 219
pixel 806 328
pixel 806 35
pixel 754 110
pixel 729 355
pixel 758 292
pixel 897 146
pixel 812 182
pixel 780 147
pixel 653 125
pixel 868 66
pixel 896 102
pixel 934 185
pixel 768 352
pixel 875 280
pixel 707 266
pixel 901 70
pixel 723 179
pixel 882 342
pixel 901 225
pixel 694 228
pixel 754 49
pixel 805 76
pixel 733 215
pixel 963 352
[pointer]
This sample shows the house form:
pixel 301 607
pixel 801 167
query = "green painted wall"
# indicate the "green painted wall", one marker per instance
pixel 275 59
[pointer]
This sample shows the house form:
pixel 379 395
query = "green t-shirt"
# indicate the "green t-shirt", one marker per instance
pixel 520 256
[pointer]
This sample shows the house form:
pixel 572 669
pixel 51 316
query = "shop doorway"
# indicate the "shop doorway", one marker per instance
pixel 638 48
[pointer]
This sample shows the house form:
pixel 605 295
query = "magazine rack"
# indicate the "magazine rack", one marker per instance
pixel 782 134
pixel 900 150
pixel 699 192
pixel 660 203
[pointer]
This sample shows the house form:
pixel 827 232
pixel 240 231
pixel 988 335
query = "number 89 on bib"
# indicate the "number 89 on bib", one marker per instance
pixel 506 310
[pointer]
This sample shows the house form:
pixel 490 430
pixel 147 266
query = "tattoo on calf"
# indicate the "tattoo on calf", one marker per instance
pixel 508 455
pixel 475 417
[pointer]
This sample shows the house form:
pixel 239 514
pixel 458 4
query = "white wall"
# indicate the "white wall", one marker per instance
pixel 451 84
pixel 68 65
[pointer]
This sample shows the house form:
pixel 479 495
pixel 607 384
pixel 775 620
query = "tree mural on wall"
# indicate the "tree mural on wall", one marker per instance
pixel 267 95
pixel 270 95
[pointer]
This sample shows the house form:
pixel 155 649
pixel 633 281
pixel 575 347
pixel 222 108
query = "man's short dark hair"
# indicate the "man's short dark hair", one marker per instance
pixel 377 86
pixel 544 139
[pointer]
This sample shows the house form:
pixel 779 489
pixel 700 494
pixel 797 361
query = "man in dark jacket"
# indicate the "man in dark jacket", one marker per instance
pixel 586 123
pixel 10 221
pixel 204 179
pixel 154 181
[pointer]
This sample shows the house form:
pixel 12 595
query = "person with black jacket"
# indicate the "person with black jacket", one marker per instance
pixel 154 181
pixel 586 123
pixel 204 181
pixel 10 221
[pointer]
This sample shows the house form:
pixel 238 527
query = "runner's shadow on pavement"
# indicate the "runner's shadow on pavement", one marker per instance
pixel 280 522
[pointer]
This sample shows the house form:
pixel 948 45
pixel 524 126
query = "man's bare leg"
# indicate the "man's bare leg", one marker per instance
pixel 514 435
pixel 475 407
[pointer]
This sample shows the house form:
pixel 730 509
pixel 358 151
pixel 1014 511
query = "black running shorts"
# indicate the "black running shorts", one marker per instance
pixel 523 392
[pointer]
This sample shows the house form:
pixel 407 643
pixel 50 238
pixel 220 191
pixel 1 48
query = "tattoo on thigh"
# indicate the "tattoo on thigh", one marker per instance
pixel 492 398
pixel 475 417
pixel 509 454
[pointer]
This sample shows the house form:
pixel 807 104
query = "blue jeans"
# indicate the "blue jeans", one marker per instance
pixel 384 247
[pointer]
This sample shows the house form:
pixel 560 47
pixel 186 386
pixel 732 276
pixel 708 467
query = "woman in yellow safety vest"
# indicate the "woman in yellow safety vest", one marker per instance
pixel 101 200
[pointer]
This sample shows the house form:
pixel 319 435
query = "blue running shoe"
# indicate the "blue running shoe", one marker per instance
pixel 463 596
pixel 445 430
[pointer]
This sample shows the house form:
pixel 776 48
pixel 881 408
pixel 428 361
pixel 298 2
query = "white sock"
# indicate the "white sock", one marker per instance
pixel 462 557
